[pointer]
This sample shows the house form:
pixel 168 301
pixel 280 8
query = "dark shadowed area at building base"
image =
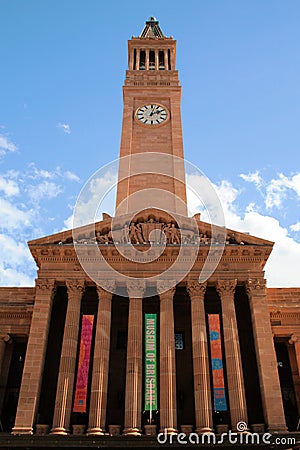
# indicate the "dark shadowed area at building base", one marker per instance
pixel 34 442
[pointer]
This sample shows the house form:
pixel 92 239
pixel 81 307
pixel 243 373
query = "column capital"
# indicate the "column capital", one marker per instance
pixel 226 287
pixel 75 287
pixel 6 338
pixel 294 338
pixel 136 288
pixel 166 287
pixel 255 285
pixel 196 289
pixel 107 288
pixel 45 284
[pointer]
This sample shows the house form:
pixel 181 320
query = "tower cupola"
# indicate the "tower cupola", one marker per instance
pixel 151 50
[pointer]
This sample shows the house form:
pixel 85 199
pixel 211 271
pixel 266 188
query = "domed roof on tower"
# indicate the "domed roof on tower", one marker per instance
pixel 152 29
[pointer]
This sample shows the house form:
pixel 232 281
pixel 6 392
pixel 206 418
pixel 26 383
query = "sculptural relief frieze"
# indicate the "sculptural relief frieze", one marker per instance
pixel 153 231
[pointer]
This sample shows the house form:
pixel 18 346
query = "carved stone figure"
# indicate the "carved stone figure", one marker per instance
pixel 124 237
pixel 174 235
pixel 139 234
pixel 153 228
pixel 204 239
pixel 101 239
pixel 166 230
pixel 110 237
pixel 133 233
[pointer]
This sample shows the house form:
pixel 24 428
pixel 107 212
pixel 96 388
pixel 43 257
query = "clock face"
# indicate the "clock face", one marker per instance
pixel 153 114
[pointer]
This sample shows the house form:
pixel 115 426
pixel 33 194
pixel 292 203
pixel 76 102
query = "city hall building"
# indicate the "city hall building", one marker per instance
pixel 117 339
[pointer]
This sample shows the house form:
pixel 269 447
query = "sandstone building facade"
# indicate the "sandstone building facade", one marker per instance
pixel 88 352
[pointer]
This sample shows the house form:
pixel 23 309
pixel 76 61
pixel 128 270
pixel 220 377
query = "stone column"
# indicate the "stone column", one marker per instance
pixel 67 366
pixel 202 390
pixel 35 357
pixel 168 410
pixel 234 370
pixel 166 59
pixel 5 358
pixel 138 51
pixel 98 401
pixel 3 342
pixel 172 57
pixel 131 59
pixel 266 357
pixel 294 340
pixel 147 58
pixel 134 362
pixel 156 59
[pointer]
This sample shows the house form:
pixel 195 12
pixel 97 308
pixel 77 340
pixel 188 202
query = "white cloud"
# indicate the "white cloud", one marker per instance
pixel 71 176
pixel 6 145
pixel 65 127
pixel 98 195
pixel 295 226
pixel 44 190
pixel 18 252
pixel 16 264
pixel 202 197
pixel 24 213
pixel 12 217
pixel 35 172
pixel 12 277
pixel 282 268
pixel 278 189
pixel 68 223
pixel 8 186
pixel 253 177
pixel 227 193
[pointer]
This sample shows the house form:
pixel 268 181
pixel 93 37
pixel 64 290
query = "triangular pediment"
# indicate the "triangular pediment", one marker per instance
pixel 153 228
pixel 88 233
pixel 67 236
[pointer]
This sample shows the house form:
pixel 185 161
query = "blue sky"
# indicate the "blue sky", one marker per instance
pixel 62 68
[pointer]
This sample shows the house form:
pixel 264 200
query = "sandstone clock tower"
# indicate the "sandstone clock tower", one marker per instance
pixel 151 154
pixel 122 333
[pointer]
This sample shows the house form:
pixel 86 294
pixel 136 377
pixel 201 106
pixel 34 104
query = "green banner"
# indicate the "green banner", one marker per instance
pixel 150 363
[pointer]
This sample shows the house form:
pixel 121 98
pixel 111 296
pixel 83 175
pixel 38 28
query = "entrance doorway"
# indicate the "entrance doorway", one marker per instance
pixel 13 386
pixel 287 385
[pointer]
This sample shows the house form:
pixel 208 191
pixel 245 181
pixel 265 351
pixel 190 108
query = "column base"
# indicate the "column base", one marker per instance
pixel 277 428
pixel 204 430
pixel 41 429
pixel 22 430
pixel 78 429
pixel 186 429
pixel 150 430
pixel 222 428
pixel 132 432
pixel 242 430
pixel 258 427
pixel 60 430
pixel 114 430
pixel 96 431
pixel 168 431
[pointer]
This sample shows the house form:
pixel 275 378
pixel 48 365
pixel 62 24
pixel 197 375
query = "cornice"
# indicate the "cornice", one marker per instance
pixel 232 254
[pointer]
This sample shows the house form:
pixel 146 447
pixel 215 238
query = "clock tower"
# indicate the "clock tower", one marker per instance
pixel 151 169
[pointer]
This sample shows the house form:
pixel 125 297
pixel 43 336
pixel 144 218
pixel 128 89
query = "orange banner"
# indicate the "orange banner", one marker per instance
pixel 83 363
pixel 217 362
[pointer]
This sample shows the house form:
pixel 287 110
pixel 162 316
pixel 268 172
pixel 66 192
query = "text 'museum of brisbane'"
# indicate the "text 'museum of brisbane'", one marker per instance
pixel 150 320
